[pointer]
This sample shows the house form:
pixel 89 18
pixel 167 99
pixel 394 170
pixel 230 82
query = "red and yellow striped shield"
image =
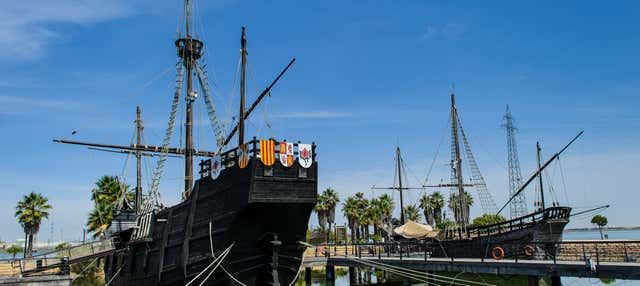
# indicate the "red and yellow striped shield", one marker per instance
pixel 243 156
pixel 267 152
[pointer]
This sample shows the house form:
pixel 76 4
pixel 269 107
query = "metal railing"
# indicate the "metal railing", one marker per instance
pixel 589 251
pixel 62 258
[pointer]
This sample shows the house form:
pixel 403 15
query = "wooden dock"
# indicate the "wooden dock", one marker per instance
pixel 593 259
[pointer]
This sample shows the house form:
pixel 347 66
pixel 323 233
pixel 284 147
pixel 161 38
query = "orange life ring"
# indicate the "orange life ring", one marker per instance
pixel 321 249
pixel 497 253
pixel 529 250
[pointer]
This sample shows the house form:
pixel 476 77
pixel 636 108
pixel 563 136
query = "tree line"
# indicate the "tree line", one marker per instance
pixel 376 214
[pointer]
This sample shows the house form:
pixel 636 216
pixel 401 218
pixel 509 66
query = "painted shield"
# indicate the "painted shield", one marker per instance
pixel 267 152
pixel 304 155
pixel 243 156
pixel 215 166
pixel 286 154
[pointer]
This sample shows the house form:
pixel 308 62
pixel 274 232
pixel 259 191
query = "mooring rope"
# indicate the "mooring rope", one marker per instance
pixel 400 273
pixel 222 257
pixel 434 276
pixel 214 256
pixel 219 258
pixel 115 275
pixel 87 267
pixel 297 274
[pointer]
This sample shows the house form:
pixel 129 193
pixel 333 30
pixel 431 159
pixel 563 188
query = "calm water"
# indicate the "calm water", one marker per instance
pixel 4 255
pixel 343 278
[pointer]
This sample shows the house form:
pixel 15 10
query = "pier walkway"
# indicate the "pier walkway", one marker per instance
pixel 56 261
pixel 598 259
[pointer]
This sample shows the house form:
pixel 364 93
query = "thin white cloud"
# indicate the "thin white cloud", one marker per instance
pixel 322 114
pixel 447 31
pixel 26 26
pixel 11 105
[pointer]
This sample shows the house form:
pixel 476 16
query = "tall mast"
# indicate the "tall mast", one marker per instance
pixel 243 77
pixel 540 175
pixel 398 162
pixel 139 128
pixel 189 49
pixel 518 206
pixel 457 164
pixel 400 188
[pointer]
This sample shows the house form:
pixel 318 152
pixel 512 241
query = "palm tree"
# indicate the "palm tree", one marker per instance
pixel 108 193
pixel 331 200
pixel 109 189
pixel 363 220
pixel 351 212
pixel 600 221
pixel 99 219
pixel 461 217
pixel 30 211
pixel 411 212
pixel 384 206
pixel 370 217
pixel 427 208
pixel 13 250
pixel 321 210
pixel 437 203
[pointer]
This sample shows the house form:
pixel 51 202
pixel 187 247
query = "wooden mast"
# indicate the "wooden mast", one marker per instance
pixel 540 175
pixel 399 188
pixel 139 128
pixel 457 164
pixel 398 158
pixel 243 77
pixel 190 56
pixel 266 91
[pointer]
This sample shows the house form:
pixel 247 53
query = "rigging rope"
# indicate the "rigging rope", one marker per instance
pixel 211 111
pixel 486 199
pixel 435 157
pixel 143 222
pixel 262 106
pixel 229 104
pixel 564 184
pixel 89 122
pixel 126 161
pixel 157 174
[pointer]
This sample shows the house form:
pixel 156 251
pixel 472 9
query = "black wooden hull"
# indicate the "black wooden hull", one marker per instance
pixel 540 231
pixel 243 207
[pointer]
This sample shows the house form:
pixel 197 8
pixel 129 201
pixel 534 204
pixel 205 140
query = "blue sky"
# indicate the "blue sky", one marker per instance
pixel 369 75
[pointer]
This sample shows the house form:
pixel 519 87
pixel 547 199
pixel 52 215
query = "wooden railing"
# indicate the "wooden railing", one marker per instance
pixel 229 158
pixel 510 225
pixel 592 251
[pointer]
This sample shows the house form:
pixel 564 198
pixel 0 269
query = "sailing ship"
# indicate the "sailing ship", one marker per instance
pixel 534 234
pixel 247 213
